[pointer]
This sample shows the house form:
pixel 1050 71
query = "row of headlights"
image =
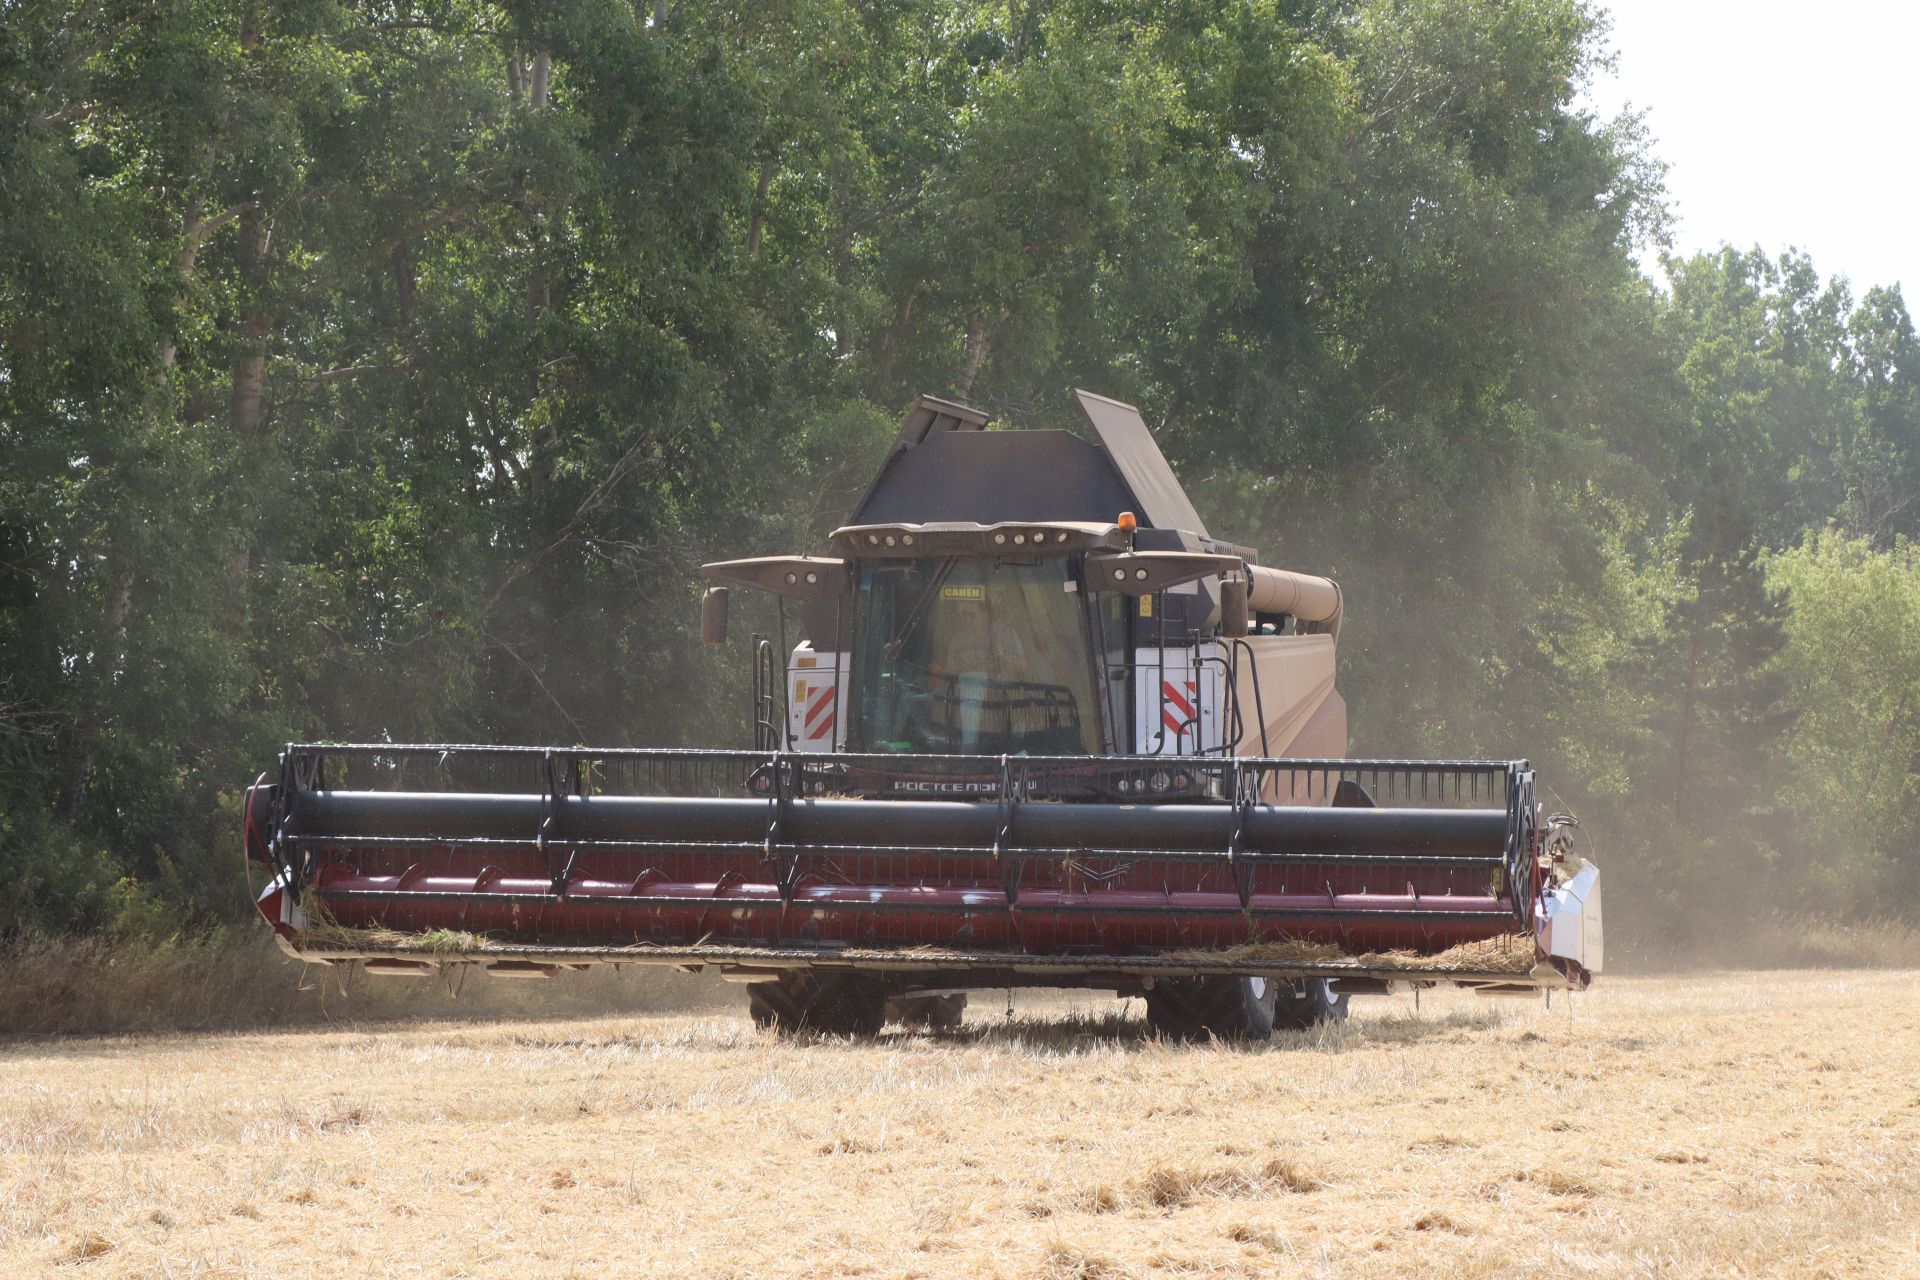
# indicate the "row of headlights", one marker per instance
pixel 761 784
pixel 1022 538
pixel 1159 780
pixel 1001 538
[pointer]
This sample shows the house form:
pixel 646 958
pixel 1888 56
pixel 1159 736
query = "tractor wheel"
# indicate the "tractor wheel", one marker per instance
pixel 1312 1002
pixel 1170 1009
pixel 778 1006
pixel 933 1013
pixel 1167 1014
pixel 828 1004
pixel 1223 1008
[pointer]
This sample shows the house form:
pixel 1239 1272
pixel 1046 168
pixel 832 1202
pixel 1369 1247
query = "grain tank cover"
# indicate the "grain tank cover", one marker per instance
pixel 996 477
pixel 945 468
pixel 1159 500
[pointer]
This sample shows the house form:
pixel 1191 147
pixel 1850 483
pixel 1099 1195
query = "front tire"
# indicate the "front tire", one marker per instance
pixel 1311 1002
pixel 1219 1008
pixel 824 1003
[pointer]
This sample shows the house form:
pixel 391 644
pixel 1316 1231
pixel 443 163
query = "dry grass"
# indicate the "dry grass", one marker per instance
pixel 1823 942
pixel 1506 954
pixel 1509 953
pixel 1775 941
pixel 1737 1124
pixel 87 985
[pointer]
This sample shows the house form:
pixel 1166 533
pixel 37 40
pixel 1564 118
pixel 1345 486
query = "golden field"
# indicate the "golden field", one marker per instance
pixel 1735 1124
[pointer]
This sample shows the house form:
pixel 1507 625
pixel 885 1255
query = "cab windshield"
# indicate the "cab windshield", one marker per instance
pixel 973 657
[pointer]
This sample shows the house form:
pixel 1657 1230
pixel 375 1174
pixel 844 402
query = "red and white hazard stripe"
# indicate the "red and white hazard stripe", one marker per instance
pixel 817 720
pixel 1177 702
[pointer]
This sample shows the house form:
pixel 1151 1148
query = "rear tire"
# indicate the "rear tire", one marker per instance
pixel 1218 1008
pixel 827 1004
pixel 1312 1001
pixel 931 1013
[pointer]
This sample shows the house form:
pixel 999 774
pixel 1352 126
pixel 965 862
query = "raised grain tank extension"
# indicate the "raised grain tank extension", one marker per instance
pixel 1027 723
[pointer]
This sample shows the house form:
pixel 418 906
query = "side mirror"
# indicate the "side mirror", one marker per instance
pixel 713 615
pixel 1234 619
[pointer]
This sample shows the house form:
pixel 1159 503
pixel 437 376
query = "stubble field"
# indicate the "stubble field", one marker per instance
pixel 1731 1124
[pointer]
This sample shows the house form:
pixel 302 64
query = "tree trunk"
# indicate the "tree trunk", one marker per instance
pixel 978 345
pixel 400 262
pixel 537 81
pixel 890 344
pixel 539 300
pixel 77 769
pixel 246 408
pixel 768 168
pixel 191 223
pixel 1689 706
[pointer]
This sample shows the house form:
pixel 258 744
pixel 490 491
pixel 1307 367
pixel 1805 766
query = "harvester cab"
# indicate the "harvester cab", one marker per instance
pixel 1028 723
pixel 1034 593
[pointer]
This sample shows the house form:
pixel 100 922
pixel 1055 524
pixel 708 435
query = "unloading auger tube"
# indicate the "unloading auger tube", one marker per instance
pixel 759 862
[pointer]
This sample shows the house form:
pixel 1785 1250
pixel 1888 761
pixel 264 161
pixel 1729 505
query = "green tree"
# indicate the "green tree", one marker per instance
pixel 1852 669
pixel 387 371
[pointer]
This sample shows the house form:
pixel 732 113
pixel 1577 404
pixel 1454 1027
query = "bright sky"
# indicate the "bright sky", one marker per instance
pixel 1782 124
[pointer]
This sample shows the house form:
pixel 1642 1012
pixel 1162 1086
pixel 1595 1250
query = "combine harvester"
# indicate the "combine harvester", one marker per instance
pixel 1040 728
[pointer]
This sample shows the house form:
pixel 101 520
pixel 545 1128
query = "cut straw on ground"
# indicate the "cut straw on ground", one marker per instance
pixel 1507 954
pixel 1746 1124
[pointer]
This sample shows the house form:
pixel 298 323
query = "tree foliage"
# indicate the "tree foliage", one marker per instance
pixel 384 370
